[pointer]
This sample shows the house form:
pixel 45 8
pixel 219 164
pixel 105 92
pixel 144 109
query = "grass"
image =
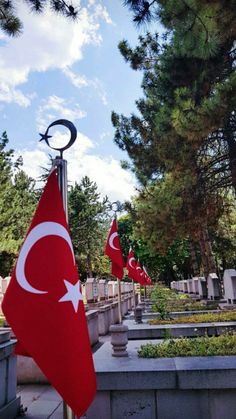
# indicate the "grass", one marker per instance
pixel 198 318
pixel 201 346
pixel 165 300
pixel 188 305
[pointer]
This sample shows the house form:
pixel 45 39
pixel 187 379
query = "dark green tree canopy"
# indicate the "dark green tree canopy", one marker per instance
pixel 18 200
pixel 182 141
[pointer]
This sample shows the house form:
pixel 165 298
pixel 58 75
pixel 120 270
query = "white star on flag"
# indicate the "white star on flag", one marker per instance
pixel 73 294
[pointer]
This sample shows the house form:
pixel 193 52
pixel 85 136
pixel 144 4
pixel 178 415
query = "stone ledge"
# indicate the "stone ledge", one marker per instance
pixel 6 349
pixel 164 388
pixel 147 331
pixel 91 314
pixel 11 409
pixel 133 373
pixel 174 314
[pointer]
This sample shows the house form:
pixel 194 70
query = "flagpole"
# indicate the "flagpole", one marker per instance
pixel 134 295
pixel 119 301
pixel 118 207
pixel 61 165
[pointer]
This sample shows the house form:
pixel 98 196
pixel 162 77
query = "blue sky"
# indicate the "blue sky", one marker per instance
pixel 58 69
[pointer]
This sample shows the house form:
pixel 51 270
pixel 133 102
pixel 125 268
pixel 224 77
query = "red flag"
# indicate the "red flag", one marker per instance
pixel 113 250
pixel 142 277
pixel 140 273
pixel 147 277
pixel 131 266
pixel 43 304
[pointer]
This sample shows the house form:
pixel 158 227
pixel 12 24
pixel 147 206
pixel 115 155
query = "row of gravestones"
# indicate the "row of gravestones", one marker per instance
pixel 98 290
pixel 209 288
pixel 93 290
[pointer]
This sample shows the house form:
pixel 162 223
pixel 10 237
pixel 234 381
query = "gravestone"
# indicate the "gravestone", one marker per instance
pixel 102 289
pixel 196 285
pixel 5 282
pixel 185 286
pixel 181 286
pixel 112 288
pixel 1 298
pixel 230 285
pixel 127 287
pixel 202 286
pixel 213 289
pixel 172 285
pixel 190 286
pixel 91 290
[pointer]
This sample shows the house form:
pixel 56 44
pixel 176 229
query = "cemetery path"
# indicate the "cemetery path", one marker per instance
pixel 42 401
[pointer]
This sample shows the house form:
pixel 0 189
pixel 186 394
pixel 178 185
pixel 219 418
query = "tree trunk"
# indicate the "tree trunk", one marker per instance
pixel 207 256
pixel 210 255
pixel 204 262
pixel 231 142
pixel 89 266
pixel 194 262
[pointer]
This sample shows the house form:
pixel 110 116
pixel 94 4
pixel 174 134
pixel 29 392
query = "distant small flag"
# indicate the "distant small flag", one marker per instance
pixel 113 250
pixel 131 266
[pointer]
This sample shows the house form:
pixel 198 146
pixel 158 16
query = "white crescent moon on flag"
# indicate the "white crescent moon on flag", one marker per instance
pixel 111 240
pixel 48 228
pixel 130 263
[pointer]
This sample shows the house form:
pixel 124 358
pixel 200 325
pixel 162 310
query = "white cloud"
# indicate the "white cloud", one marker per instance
pixel 105 134
pixel 55 107
pixel 48 42
pixel 111 179
pixel 77 80
pixel 8 94
pixel 81 81
pixel 30 158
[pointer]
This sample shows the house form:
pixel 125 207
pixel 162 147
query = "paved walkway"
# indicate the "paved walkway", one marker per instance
pixel 42 401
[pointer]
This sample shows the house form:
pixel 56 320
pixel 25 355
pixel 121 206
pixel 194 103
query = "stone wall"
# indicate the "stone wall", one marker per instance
pixel 167 388
pixel 9 403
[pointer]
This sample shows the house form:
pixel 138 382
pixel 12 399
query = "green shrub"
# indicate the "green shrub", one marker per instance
pixel 200 346
pixel 166 300
pixel 199 318
pixel 1 321
pixel 160 298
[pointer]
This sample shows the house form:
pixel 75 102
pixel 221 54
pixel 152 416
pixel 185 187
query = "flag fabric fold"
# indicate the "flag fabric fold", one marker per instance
pixel 43 304
pixel 113 250
pixel 148 280
pixel 131 266
pixel 139 272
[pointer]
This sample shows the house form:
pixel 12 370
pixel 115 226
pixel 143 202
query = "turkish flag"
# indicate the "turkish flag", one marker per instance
pixel 148 280
pixel 113 250
pixel 131 266
pixel 43 304
pixel 140 273
pixel 145 277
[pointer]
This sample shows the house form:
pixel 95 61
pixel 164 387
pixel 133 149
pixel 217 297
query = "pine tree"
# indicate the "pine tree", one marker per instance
pixel 12 25
pixel 184 136
pixel 88 222
pixel 17 202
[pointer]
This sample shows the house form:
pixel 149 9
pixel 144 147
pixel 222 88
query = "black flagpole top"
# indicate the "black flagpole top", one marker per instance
pixel 65 123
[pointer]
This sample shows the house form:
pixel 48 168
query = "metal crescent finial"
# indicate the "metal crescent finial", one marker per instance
pixel 65 123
